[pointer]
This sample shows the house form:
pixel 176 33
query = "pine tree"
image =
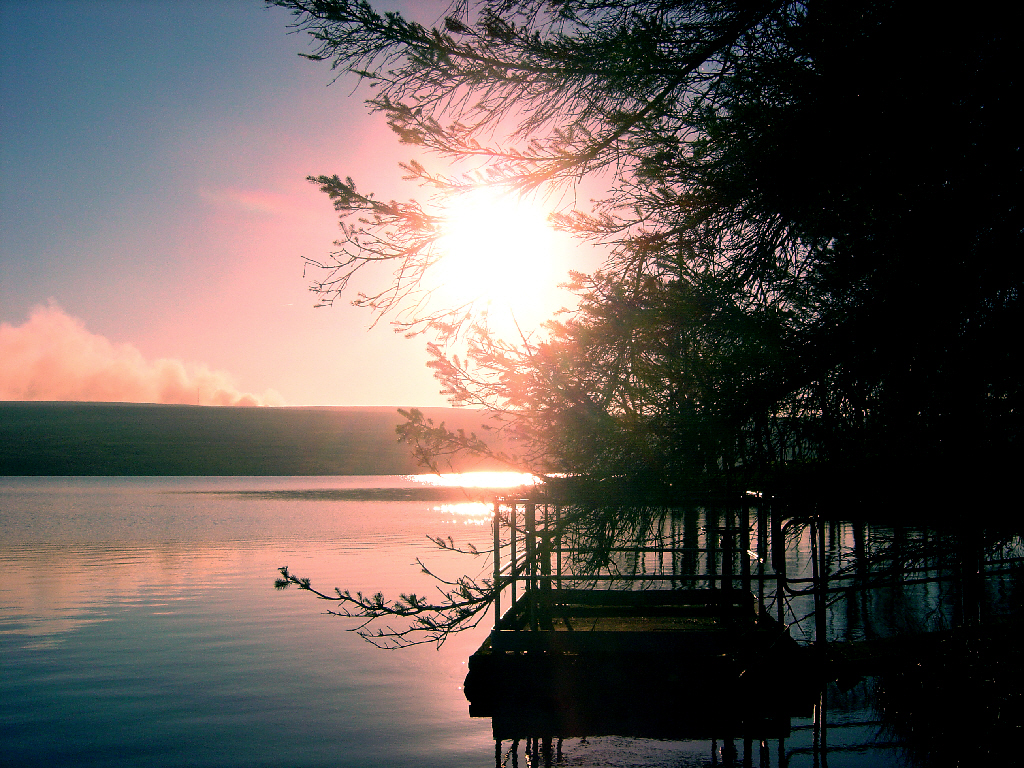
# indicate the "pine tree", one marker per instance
pixel 813 231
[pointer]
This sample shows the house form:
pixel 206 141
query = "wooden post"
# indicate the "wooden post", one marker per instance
pixel 690 565
pixel 823 575
pixel 779 563
pixel 762 553
pixel 558 563
pixel 820 574
pixel 513 570
pixel 545 571
pixel 728 548
pixel 821 728
pixel 744 552
pixel 711 544
pixel 497 566
pixel 531 561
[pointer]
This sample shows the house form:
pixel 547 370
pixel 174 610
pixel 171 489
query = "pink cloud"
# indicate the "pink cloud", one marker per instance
pixel 248 201
pixel 53 357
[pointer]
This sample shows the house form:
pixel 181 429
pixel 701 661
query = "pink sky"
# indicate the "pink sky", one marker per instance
pixel 154 199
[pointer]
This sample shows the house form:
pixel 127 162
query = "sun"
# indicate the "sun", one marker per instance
pixel 496 248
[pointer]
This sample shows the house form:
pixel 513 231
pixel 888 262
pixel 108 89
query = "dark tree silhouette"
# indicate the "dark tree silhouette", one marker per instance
pixel 813 218
pixel 813 229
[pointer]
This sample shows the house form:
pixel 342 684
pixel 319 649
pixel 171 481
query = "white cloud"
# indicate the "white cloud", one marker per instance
pixel 53 357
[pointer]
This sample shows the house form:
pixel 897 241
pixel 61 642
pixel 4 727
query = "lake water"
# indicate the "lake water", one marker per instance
pixel 139 626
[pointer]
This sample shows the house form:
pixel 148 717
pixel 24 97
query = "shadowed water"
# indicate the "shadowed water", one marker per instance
pixel 139 626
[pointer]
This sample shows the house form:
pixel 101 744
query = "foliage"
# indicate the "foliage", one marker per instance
pixel 810 212
pixel 587 531
pixel 461 605
pixel 812 225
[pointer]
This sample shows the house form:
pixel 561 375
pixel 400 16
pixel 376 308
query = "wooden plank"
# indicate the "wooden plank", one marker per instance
pixel 588 605
pixel 645 598
pixel 698 643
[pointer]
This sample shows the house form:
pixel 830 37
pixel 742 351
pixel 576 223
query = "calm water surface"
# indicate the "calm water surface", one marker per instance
pixel 139 626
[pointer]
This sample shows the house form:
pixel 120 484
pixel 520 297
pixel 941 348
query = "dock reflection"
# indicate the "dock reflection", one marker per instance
pixel 647 703
pixel 836 723
pixel 759 639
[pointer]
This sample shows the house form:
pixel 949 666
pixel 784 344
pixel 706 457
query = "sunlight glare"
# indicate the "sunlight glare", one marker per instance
pixel 466 513
pixel 496 248
pixel 495 480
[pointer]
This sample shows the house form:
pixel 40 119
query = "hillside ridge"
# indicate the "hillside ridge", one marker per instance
pixel 116 439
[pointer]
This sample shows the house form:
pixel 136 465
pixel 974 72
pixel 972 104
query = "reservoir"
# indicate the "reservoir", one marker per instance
pixel 139 626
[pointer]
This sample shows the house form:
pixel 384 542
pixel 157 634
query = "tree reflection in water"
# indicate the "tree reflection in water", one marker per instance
pixel 908 654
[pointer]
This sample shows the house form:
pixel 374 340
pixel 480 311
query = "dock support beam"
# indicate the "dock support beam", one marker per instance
pixel 530 552
pixel 819 559
pixel 497 563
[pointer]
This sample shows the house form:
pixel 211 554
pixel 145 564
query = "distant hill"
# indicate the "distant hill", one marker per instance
pixel 139 439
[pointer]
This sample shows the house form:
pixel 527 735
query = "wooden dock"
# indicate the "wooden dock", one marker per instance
pixel 650 621
pixel 665 663
pixel 682 631
pixel 572 657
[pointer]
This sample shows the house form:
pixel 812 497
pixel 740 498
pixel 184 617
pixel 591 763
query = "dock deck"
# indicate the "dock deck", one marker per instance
pixel 645 662
pixel 613 621
pixel 650 657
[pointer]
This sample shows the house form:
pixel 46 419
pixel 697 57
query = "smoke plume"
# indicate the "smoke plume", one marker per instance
pixel 53 357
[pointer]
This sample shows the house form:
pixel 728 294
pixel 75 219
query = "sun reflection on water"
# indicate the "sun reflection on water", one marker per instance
pixel 494 480
pixel 466 513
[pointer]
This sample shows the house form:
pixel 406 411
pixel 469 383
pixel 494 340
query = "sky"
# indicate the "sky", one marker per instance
pixel 154 210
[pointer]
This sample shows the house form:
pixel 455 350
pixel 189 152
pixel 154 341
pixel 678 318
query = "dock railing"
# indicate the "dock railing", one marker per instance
pixel 536 569
pixel 795 570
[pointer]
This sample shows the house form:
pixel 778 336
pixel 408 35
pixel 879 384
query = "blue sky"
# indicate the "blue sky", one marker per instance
pixel 152 173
